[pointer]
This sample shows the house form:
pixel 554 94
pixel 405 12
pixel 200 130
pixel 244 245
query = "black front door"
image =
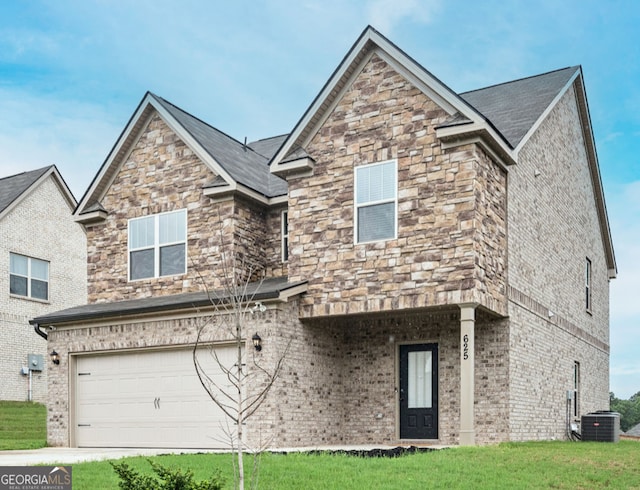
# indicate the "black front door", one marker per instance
pixel 419 391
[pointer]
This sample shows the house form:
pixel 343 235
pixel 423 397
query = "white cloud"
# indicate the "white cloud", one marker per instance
pixel 385 15
pixel 44 131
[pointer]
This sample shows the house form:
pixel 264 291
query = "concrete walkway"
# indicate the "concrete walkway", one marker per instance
pixel 67 455
pixel 70 455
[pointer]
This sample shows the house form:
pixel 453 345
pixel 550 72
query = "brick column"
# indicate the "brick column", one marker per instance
pixel 467 373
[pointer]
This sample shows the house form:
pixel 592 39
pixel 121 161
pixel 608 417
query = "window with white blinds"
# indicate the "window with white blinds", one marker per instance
pixel 158 245
pixel 376 190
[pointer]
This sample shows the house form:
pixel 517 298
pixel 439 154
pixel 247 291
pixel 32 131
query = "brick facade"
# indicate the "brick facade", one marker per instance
pixel 511 242
pixel 41 226
pixel 338 385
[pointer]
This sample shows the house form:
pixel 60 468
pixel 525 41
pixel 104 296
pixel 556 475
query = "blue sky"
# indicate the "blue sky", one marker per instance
pixel 72 73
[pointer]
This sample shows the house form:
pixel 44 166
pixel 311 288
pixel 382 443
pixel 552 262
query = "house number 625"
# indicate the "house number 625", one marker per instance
pixel 465 347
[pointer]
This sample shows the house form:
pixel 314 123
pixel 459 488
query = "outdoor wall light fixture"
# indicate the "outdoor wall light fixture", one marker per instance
pixel 55 357
pixel 257 342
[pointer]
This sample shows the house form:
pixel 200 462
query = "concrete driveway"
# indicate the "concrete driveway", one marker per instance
pixel 70 455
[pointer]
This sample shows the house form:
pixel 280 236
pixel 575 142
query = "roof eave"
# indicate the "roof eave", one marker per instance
pixel 53 172
pixel 596 179
pixel 474 132
pixel 277 295
pixel 371 41
pixel 91 218
pixel 293 168
pixel 127 140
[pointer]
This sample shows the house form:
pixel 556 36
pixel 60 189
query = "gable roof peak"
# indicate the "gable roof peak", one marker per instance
pixel 14 188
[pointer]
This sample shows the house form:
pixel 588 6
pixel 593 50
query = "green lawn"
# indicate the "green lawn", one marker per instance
pixel 558 465
pixel 23 425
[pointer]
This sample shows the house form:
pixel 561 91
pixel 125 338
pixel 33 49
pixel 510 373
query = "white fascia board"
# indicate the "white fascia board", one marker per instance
pixel 504 161
pixel 321 98
pixel 545 113
pixel 91 218
pixel 425 82
pixel 292 291
pixel 26 193
pixel 137 125
pixel 468 133
pixel 64 188
pixel 299 166
pixel 115 151
pixel 403 64
pixel 193 145
pixel 225 193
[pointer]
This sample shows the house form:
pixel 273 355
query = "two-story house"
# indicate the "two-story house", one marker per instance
pixel 43 256
pixel 438 265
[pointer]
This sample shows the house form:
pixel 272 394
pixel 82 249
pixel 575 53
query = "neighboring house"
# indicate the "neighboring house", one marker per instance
pixel 43 267
pixel 634 431
pixel 439 262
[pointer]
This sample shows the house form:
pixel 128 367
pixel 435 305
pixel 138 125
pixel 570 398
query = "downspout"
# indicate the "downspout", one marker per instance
pixel 42 334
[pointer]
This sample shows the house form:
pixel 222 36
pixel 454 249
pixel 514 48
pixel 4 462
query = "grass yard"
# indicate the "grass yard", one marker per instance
pixel 558 465
pixel 23 425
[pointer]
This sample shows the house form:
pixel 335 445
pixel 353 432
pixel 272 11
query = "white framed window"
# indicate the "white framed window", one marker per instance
pixel 376 202
pixel 28 277
pixel 158 245
pixel 284 219
pixel 588 285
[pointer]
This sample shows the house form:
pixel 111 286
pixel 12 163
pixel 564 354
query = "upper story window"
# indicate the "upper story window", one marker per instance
pixel 285 236
pixel 28 277
pixel 588 285
pixel 376 193
pixel 158 245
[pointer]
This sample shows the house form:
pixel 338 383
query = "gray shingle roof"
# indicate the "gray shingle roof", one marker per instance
pixel 514 107
pixel 269 146
pixel 13 186
pixel 243 163
pixel 258 291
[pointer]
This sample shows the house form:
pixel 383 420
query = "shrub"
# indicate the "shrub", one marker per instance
pixel 167 479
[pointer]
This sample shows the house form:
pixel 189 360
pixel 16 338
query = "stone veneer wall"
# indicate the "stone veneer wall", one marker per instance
pixel 272 247
pixel 553 228
pixel 41 226
pixel 162 174
pixel 444 206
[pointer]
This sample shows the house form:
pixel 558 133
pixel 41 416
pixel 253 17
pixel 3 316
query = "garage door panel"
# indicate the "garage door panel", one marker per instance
pixel 149 399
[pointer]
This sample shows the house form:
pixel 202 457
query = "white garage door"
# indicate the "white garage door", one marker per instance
pixel 149 399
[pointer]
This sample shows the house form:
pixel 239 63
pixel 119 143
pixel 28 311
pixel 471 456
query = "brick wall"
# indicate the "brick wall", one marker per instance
pixel 553 228
pixel 451 219
pixel 339 385
pixel 338 382
pixel 41 226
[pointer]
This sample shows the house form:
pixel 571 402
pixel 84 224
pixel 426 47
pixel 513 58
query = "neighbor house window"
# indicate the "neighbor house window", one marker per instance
pixel 28 277
pixel 588 285
pixel 285 235
pixel 376 201
pixel 576 389
pixel 158 245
